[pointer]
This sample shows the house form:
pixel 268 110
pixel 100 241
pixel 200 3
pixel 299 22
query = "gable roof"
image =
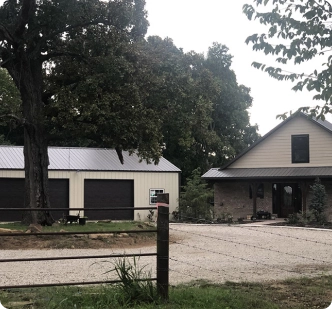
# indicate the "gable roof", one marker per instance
pixel 261 172
pixel 84 159
pixel 323 124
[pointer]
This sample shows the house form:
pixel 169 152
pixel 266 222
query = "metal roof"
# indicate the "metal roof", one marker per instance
pixel 274 173
pixel 85 159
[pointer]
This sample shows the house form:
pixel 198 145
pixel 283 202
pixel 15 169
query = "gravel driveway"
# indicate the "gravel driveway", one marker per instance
pixel 211 252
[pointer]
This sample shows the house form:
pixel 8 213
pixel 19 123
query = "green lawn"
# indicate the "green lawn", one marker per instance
pixel 290 294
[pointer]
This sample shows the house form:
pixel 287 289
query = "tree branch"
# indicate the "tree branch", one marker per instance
pixel 5 33
pixel 322 6
pixel 27 7
pixel 12 116
pixel 61 54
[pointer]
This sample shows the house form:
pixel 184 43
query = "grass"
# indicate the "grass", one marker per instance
pixel 74 227
pixel 289 294
pixel 35 241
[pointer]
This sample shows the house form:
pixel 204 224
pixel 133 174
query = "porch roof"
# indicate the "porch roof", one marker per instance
pixel 266 173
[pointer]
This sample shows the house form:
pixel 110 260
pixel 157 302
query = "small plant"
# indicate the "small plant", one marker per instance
pixel 136 286
pixel 150 215
pixel 301 218
pixel 293 218
pixel 175 215
pixel 318 201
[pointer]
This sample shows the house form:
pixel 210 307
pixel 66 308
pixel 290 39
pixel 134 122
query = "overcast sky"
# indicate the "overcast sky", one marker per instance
pixel 195 25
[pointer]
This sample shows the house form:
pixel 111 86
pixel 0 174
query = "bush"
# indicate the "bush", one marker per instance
pixel 194 200
pixel 300 218
pixel 318 201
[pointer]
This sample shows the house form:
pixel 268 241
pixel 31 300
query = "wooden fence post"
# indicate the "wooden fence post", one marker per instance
pixel 163 245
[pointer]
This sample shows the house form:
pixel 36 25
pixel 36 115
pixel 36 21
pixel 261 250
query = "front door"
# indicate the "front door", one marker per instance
pixel 287 199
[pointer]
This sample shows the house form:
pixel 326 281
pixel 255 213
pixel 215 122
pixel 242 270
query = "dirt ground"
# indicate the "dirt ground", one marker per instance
pixel 76 242
pixel 100 241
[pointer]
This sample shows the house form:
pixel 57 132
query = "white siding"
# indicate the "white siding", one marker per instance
pixel 143 182
pixel 275 150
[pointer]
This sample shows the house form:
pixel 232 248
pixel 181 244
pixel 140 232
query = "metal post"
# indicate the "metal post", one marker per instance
pixel 163 245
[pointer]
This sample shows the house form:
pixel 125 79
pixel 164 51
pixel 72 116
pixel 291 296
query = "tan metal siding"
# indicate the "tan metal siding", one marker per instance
pixel 11 174
pixel 275 151
pixel 143 182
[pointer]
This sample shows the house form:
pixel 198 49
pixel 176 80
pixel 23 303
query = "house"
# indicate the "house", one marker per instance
pixel 90 178
pixel 276 172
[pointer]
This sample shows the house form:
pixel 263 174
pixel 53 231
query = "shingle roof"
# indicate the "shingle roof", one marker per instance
pixel 93 159
pixel 274 173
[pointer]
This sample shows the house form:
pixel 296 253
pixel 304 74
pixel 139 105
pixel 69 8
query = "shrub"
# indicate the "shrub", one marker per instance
pixel 300 218
pixel 194 200
pixel 318 201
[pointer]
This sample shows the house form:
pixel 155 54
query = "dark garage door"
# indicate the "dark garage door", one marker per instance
pixel 102 193
pixel 12 196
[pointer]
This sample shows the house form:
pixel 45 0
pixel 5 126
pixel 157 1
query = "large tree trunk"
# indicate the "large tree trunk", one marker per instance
pixel 28 76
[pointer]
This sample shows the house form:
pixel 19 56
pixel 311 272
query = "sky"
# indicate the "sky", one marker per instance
pixel 196 24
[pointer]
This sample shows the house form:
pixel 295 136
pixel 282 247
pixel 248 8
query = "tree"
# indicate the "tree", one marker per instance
pixel 303 31
pixel 195 199
pixel 204 110
pixel 231 120
pixel 180 91
pixel 34 37
pixel 318 201
pixel 109 108
pixel 10 107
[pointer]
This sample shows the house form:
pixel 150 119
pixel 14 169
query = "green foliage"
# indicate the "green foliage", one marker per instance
pixel 296 293
pixel 170 98
pixel 298 31
pixel 83 56
pixel 103 84
pixel 10 110
pixel 108 109
pixel 318 202
pixel 300 219
pixel 136 286
pixel 9 95
pixel 194 200
pixel 203 110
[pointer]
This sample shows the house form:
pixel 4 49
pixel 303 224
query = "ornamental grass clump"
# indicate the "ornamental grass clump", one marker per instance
pixel 136 286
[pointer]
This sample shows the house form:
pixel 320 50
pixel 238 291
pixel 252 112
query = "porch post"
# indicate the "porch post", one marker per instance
pixel 304 188
pixel 254 187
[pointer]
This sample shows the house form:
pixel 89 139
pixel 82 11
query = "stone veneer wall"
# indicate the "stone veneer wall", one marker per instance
pixel 233 198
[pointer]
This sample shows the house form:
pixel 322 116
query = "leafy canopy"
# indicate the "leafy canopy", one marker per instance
pixel 10 103
pixel 298 31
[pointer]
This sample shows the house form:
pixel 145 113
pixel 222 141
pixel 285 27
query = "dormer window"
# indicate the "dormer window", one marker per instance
pixel 300 148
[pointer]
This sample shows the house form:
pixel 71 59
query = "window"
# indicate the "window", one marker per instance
pixel 260 191
pixel 153 195
pixel 300 148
